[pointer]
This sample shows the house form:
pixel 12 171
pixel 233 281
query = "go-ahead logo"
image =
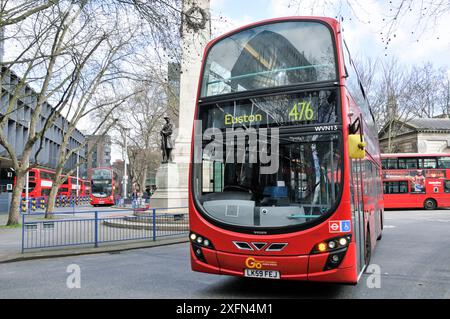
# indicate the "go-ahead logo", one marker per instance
pixel 253 263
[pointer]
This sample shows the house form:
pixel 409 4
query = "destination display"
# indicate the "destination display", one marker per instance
pixel 312 107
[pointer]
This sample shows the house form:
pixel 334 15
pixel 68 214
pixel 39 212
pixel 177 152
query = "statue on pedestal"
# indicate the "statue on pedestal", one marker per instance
pixel 167 142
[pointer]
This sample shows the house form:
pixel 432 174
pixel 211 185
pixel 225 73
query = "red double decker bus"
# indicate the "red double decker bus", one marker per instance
pixel 40 182
pixel 416 180
pixel 85 188
pixel 285 177
pixel 69 187
pixel 102 186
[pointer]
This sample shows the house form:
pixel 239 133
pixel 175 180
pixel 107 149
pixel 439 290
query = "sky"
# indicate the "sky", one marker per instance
pixel 363 24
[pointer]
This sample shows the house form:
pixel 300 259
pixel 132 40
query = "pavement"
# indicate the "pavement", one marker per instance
pixel 413 257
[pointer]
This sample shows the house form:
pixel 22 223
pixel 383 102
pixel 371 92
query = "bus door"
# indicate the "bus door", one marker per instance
pixel 357 206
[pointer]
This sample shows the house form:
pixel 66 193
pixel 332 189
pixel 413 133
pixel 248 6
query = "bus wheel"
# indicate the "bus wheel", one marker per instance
pixel 368 250
pixel 381 227
pixel 430 204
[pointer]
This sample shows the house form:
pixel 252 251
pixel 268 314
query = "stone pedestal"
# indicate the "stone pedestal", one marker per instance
pixel 172 183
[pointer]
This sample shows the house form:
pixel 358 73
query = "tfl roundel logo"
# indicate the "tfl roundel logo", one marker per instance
pixel 339 226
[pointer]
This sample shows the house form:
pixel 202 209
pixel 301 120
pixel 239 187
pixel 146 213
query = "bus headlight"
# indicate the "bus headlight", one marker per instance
pixel 335 259
pixel 200 241
pixel 198 244
pixel 332 244
pixel 322 247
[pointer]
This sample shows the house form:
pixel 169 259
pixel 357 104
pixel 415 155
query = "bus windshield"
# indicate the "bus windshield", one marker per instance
pixel 304 184
pixel 101 188
pixel 278 54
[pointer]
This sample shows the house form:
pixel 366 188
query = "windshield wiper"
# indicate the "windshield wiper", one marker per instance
pixel 298 216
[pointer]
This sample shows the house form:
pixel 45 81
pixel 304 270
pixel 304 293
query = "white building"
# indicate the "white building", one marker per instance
pixel 429 135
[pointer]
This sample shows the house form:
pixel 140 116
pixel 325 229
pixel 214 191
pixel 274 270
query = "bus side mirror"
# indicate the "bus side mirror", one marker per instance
pixel 356 146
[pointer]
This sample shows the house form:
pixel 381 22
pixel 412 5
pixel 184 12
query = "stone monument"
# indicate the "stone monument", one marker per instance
pixel 172 177
pixel 167 141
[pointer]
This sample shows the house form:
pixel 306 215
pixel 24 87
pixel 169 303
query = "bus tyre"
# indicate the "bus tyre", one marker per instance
pixel 430 204
pixel 381 227
pixel 368 249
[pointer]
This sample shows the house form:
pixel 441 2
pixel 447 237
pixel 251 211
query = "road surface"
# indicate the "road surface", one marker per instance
pixel 413 256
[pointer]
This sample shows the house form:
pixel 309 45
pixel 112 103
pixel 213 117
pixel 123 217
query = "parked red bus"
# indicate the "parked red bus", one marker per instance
pixel 40 182
pixel 102 186
pixel 416 180
pixel 66 187
pixel 285 175
pixel 85 188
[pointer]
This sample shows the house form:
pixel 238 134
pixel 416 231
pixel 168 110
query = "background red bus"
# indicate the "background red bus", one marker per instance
pixel 40 182
pixel 102 186
pixel 70 186
pixel 416 180
pixel 85 188
pixel 318 214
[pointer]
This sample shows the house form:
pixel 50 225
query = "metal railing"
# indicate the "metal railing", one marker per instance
pixel 98 227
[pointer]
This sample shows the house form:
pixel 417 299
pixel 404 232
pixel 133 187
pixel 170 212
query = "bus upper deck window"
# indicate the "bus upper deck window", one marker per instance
pixel 444 162
pixel 392 163
pixel 427 163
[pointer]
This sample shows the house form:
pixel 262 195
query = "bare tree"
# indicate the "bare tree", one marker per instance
pixel 102 74
pixel 143 121
pixel 398 94
pixel 424 14
pixel 14 12
pixel 42 62
pixel 55 42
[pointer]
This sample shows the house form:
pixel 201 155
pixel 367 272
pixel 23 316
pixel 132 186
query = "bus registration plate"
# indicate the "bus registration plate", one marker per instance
pixel 257 273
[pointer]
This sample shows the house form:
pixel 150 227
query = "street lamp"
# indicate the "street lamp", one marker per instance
pixel 78 173
pixel 125 174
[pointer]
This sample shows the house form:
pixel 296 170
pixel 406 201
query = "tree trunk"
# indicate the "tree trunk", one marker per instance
pixel 13 218
pixel 143 180
pixel 51 200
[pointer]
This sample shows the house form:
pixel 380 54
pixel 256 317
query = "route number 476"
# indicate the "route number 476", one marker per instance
pixel 301 112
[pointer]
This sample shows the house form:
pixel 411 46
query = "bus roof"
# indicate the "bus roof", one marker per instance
pixel 330 21
pixel 397 155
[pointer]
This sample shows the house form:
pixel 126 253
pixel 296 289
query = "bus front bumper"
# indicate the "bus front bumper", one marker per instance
pixel 303 267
